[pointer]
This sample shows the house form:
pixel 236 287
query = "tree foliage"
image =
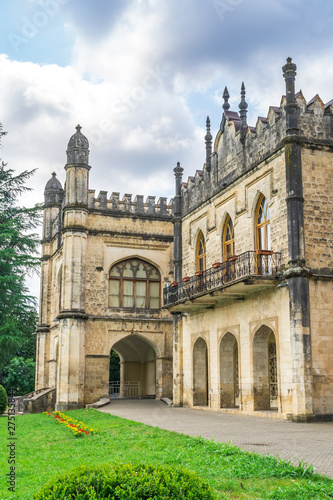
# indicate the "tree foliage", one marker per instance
pixel 19 376
pixel 114 375
pixel 18 250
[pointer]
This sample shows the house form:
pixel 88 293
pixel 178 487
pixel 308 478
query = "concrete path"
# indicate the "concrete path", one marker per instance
pixel 312 443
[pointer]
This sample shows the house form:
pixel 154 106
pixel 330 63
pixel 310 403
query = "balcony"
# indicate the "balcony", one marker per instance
pixel 234 279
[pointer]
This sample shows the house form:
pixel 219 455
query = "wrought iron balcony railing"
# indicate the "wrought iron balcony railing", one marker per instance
pixel 248 264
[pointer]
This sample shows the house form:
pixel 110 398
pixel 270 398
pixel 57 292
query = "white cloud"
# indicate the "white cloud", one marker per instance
pixel 142 77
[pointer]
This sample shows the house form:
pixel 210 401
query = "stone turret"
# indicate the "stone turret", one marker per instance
pixel 53 197
pixel 53 192
pixel 72 317
pixel 77 169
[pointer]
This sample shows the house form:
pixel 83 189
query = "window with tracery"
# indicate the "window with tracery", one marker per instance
pixel 134 283
pixel 201 253
pixel 228 239
pixel 263 226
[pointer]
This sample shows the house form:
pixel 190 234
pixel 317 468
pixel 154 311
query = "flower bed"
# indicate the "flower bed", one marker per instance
pixel 76 426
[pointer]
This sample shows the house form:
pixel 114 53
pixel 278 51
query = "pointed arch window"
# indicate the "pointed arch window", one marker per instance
pixel 136 284
pixel 201 253
pixel 263 225
pixel 228 239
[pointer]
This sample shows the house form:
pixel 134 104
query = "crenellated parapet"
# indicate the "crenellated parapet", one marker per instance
pixel 126 207
pixel 239 147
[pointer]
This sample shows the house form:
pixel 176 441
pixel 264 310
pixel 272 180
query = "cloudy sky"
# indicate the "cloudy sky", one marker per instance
pixel 140 76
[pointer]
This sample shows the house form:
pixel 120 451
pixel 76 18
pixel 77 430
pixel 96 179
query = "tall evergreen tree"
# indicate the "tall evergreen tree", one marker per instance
pixel 18 250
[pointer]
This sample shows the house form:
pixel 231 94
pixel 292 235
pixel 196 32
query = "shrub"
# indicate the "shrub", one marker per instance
pixel 127 482
pixel 3 400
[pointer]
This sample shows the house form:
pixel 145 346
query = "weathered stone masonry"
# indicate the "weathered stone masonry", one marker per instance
pixel 251 330
pixel 83 238
pixel 254 331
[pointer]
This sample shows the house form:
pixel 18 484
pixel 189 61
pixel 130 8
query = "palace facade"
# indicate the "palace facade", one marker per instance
pixel 253 291
pixel 221 298
pixel 104 263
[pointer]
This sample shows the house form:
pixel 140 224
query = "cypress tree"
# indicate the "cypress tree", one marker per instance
pixel 18 249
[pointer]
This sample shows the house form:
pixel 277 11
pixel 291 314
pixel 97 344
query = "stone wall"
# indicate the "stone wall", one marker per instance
pixel 242 320
pixel 76 281
pixel 231 158
pixel 281 148
pixel 318 207
pixel 239 201
pixel 321 314
pixel 101 337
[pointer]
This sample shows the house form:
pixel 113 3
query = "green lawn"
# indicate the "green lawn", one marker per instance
pixel 45 448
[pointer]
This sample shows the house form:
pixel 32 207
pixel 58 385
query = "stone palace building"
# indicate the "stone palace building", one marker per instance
pixel 104 263
pixel 242 256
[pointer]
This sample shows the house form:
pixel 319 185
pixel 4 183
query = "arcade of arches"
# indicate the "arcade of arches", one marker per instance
pixel 265 387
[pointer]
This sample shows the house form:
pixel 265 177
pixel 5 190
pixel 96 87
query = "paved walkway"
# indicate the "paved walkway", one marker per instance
pixel 312 443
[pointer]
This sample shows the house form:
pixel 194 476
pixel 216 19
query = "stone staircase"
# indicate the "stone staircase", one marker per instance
pixel 36 401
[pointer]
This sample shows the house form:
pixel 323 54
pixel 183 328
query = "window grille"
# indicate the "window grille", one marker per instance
pixel 272 367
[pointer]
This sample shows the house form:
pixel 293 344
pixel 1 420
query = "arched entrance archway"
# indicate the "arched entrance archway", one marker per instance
pixel 229 375
pixel 137 367
pixel 200 373
pixel 265 379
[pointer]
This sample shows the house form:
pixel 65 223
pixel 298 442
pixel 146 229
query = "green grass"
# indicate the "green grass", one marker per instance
pixel 45 449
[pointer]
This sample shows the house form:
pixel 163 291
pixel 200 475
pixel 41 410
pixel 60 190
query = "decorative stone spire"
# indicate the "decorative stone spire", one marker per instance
pixel 226 96
pixel 78 148
pixel 289 73
pixel 178 170
pixel 243 107
pixel 225 107
pixel 208 140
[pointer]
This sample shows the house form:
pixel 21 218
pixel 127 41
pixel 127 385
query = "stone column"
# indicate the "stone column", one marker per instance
pixel 178 374
pixel 297 275
pixel 177 319
pixel 177 225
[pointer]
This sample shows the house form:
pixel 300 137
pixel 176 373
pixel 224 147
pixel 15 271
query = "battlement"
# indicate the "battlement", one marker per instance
pixel 238 147
pixel 125 206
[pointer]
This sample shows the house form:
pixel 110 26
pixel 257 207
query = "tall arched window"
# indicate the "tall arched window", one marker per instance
pixel 201 253
pixel 263 228
pixel 228 240
pixel 134 283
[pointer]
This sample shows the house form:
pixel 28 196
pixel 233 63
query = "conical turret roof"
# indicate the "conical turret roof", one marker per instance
pixel 53 192
pixel 78 148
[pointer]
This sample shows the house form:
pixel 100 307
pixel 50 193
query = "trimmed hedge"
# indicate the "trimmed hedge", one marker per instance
pixel 3 400
pixel 127 482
